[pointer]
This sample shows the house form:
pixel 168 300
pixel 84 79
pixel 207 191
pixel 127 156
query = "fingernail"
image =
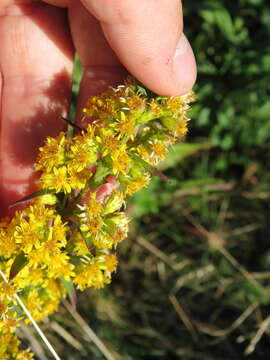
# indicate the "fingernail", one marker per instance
pixel 184 65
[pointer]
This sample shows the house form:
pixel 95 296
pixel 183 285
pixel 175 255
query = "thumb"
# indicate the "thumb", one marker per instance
pixel 147 38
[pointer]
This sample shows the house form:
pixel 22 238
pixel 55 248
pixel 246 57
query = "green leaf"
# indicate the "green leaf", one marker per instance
pixel 101 173
pixel 179 152
pixel 154 171
pixel 71 291
pixel 204 116
pixel 88 240
pixel 76 79
pixel 18 264
pixel 31 197
pixel 222 19
pixel 224 22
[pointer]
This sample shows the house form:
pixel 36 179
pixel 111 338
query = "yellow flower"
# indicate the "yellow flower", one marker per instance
pixel 110 262
pixel 8 245
pixel 37 258
pixel 52 154
pixel 80 246
pixel 119 235
pixel 118 219
pixel 90 275
pixel 108 141
pixel 60 267
pixel 54 288
pixel 93 225
pixel 50 307
pixel 155 108
pixel 83 153
pixel 103 241
pixel 9 323
pixel 3 308
pixel 9 347
pixel 25 355
pixel 114 202
pixel 35 276
pixel 59 230
pixel 142 152
pixel 135 103
pixel 34 303
pixel 121 162
pixel 78 179
pixel 181 128
pixel 72 241
pixel 51 247
pixel 125 126
pixel 56 180
pixel 158 153
pixel 137 184
pixel 158 149
pixel 174 104
pixel 28 235
pixel 7 290
pixel 38 213
pixel 93 207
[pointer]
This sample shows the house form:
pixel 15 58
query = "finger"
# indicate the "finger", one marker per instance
pixel 60 3
pixel 147 37
pixel 36 63
pixel 101 66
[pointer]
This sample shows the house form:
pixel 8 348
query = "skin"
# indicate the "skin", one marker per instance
pixel 38 40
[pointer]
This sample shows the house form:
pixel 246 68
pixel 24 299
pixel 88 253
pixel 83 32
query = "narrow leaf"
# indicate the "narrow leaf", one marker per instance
pixel 71 292
pixel 101 173
pixel 154 171
pixel 178 152
pixel 72 124
pixel 31 197
pixel 18 264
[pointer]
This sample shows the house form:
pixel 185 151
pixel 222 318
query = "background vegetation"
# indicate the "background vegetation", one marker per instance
pixel 193 281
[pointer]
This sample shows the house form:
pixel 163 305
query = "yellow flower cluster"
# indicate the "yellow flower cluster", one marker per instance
pixel 10 348
pixel 69 233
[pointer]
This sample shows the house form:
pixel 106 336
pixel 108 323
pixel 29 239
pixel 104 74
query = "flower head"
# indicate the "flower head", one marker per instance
pixel 70 231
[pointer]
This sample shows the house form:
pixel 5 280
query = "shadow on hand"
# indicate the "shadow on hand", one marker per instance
pixel 26 138
pixel 53 22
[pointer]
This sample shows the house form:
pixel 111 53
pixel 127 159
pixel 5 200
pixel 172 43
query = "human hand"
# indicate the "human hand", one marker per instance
pixel 36 56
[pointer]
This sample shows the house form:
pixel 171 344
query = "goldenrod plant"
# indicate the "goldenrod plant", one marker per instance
pixel 67 236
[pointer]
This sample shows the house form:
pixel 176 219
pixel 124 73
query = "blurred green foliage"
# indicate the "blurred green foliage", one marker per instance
pixel 232 46
pixel 193 281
